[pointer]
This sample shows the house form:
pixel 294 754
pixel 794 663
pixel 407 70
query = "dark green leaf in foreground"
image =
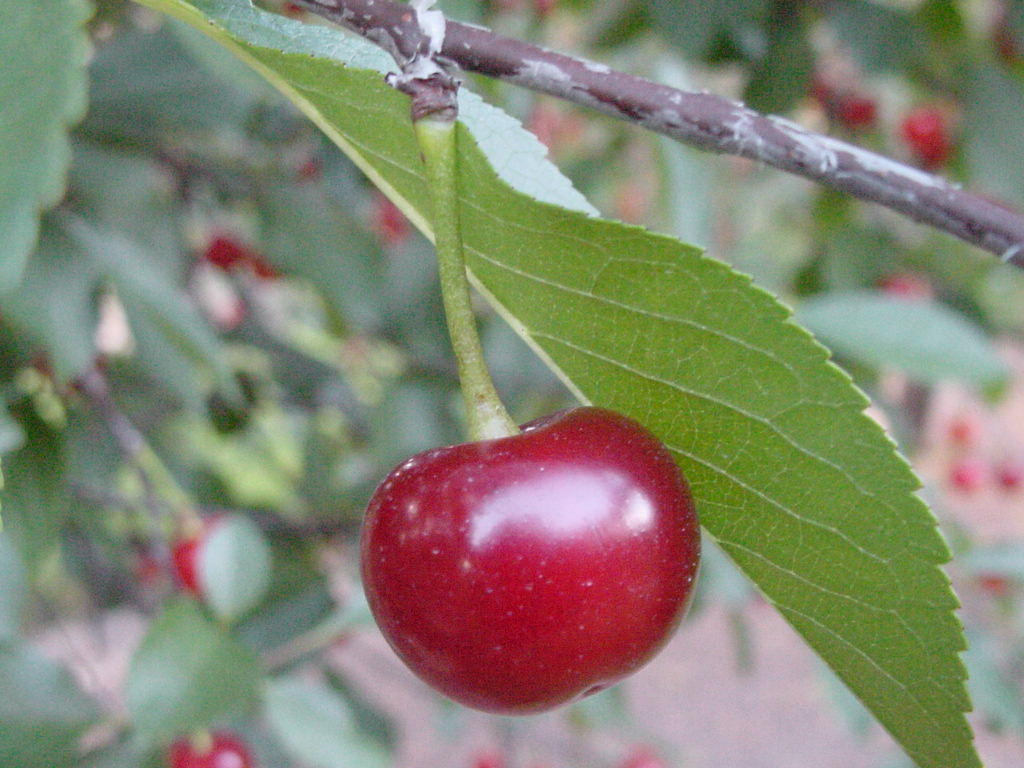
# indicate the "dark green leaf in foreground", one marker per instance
pixel 42 712
pixel 801 489
pixel 925 339
pixel 42 90
pixel 188 674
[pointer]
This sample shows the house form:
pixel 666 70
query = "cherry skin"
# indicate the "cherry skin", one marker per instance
pixel 968 474
pixel 925 131
pixel 224 750
pixel 642 757
pixel 518 574
pixel 1010 474
pixel 185 554
pixel 185 557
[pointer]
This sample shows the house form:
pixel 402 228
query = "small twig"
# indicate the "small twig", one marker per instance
pixel 703 120
pixel 130 441
pixel 157 482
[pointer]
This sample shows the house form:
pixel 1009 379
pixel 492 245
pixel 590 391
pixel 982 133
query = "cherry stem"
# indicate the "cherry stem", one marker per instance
pixel 485 413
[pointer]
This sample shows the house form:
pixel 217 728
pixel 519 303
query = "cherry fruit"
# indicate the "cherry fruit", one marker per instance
pixel 219 750
pixel 927 135
pixel 518 574
pixel 185 554
pixel 642 757
pixel 1010 474
pixel 968 474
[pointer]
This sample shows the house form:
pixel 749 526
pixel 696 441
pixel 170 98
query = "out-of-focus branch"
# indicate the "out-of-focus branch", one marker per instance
pixel 703 120
pixel 159 486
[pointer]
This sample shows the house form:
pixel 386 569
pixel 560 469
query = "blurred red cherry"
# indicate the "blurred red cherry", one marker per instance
pixel 1010 474
pixel 185 556
pixel 642 757
pixel 219 749
pixel 489 759
pixel 926 132
pixel 964 431
pixel 908 285
pixel 968 474
pixel 993 584
pixel 856 111
pixel 389 222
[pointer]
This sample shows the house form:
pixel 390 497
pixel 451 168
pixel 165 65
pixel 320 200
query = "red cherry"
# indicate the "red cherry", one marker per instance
pixel 968 474
pixel 223 750
pixel 518 574
pixel 185 556
pixel 964 431
pixel 927 135
pixel 642 757
pixel 224 252
pixel 995 585
pixel 909 285
pixel 389 222
pixel 1010 474
pixel 856 111
pixel 489 759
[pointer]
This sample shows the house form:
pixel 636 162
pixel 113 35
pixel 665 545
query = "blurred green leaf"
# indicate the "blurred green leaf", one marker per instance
pixel 42 712
pixel 43 89
pixel 803 491
pixel 925 339
pixel 234 567
pixel 782 76
pixel 308 234
pixel 993 118
pixel 128 192
pixel 123 755
pixel 169 93
pixel 174 343
pixel 35 497
pixel 12 436
pixel 59 315
pixel 316 727
pixel 993 689
pixel 695 26
pixel 297 599
pixel 369 720
pixel 12 590
pixel 187 674
pixel 882 37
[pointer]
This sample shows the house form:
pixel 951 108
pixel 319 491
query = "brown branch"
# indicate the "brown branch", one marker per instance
pixel 703 120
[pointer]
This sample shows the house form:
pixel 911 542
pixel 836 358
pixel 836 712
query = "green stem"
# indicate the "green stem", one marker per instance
pixel 485 413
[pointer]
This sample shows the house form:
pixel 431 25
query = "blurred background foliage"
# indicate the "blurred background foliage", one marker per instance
pixel 224 321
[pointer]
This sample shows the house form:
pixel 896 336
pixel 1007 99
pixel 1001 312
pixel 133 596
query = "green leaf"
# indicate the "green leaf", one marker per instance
pixel 42 89
pixel 42 712
pixel 992 120
pixel 234 567
pixel 35 496
pixel 880 36
pixel 316 727
pixel 55 304
pixel 173 342
pixel 696 25
pixel 306 233
pixel 783 75
pixel 12 590
pixel 187 674
pixel 803 491
pixel 925 339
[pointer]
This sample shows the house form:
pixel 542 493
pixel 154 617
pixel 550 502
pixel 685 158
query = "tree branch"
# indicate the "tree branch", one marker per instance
pixel 703 120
